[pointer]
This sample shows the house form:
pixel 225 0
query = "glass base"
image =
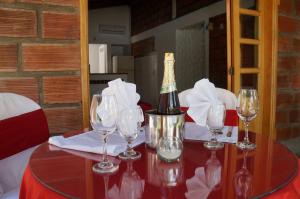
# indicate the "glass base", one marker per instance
pixel 105 167
pixel 130 155
pixel 246 146
pixel 213 145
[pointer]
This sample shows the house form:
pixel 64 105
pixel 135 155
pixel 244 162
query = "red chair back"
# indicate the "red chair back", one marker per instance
pixel 21 131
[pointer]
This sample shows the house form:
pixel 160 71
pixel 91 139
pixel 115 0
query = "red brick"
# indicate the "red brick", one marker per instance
pixel 66 89
pixel 63 120
pixel 282 117
pixel 283 133
pixel 284 99
pixel 297 99
pixel 51 57
pixel 287 24
pixel 23 86
pixel 61 26
pixel 295 116
pixel 284 43
pixel 73 3
pixel 31 1
pixel 285 6
pixel 295 80
pixel 297 6
pixel 295 131
pixel 296 44
pixel 286 63
pixel 283 81
pixel 8 57
pixel 7 1
pixel 18 23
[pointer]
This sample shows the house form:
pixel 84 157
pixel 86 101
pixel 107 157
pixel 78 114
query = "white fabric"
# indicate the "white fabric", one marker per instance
pixel 130 187
pixel 226 96
pixel 203 182
pixel 91 142
pixel 192 131
pixel 1 191
pixel 200 99
pixel 13 105
pixel 125 93
pixel 182 97
pixel 13 194
pixel 12 169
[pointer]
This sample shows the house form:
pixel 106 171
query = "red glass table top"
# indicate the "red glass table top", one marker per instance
pixel 200 173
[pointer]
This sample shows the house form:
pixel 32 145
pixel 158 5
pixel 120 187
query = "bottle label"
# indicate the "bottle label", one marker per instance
pixel 168 84
pixel 168 88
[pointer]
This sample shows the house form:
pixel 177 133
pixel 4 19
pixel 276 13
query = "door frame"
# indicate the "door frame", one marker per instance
pixel 84 55
pixel 267 67
pixel 269 49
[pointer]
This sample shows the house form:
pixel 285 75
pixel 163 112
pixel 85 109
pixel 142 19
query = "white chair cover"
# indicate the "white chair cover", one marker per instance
pixel 12 168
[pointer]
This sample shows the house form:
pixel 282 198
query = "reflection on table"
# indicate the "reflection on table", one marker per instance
pixel 209 174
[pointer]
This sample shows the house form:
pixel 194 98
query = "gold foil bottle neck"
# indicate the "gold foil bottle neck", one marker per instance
pixel 168 84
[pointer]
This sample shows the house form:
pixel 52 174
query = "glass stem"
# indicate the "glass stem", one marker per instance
pixel 246 138
pixel 129 149
pixel 245 159
pixel 106 178
pixel 105 149
pixel 214 136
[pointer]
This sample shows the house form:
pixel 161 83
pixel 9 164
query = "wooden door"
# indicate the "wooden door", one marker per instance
pixel 253 39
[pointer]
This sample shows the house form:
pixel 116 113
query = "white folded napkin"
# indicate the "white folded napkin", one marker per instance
pixel 192 131
pixel 200 99
pixel 91 142
pixel 126 96
pixel 125 93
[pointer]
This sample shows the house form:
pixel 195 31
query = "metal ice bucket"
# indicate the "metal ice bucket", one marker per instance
pixel 158 126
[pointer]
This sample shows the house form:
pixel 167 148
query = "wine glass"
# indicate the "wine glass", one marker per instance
pixel 243 180
pixel 104 113
pixel 247 109
pixel 129 128
pixel 213 170
pixel 215 124
pixel 131 184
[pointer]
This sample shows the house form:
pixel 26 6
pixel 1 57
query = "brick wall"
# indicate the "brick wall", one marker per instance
pixel 40 57
pixel 288 77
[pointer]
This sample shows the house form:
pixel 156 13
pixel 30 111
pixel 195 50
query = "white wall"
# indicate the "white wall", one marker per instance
pixel 165 38
pixel 118 16
pixel 190 56
pixel 165 34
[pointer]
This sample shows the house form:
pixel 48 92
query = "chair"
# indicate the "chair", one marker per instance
pixel 227 97
pixel 23 126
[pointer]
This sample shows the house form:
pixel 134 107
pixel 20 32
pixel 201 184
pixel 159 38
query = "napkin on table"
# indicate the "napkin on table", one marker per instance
pixel 192 131
pixel 91 142
pixel 200 99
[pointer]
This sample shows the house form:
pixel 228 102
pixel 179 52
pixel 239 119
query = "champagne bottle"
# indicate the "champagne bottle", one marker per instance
pixel 168 99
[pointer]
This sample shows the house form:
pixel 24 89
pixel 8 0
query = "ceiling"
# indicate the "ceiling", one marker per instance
pixel 95 4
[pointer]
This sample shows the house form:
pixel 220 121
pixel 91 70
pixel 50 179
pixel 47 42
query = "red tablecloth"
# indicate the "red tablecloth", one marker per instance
pixel 32 189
